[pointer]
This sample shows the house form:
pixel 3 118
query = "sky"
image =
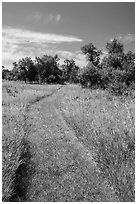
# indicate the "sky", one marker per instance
pixel 38 28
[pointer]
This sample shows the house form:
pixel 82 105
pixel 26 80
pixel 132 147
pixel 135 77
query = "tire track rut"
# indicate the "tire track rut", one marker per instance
pixel 64 169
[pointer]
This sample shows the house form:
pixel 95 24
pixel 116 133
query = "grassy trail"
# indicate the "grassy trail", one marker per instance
pixel 63 168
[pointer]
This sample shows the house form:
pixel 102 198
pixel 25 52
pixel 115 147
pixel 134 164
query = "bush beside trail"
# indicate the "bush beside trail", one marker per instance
pixel 116 71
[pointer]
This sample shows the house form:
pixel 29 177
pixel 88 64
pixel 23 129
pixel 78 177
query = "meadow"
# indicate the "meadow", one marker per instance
pixel 16 99
pixel 104 123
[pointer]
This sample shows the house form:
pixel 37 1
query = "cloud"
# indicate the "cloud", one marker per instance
pixel 54 17
pixel 104 54
pixel 18 43
pixel 37 16
pixel 27 36
pixel 111 39
pixel 33 17
pixel 58 17
pixel 65 54
pixel 79 58
pixel 125 38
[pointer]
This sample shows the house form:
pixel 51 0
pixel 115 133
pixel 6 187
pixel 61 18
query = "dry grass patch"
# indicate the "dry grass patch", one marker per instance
pixel 106 125
pixel 16 98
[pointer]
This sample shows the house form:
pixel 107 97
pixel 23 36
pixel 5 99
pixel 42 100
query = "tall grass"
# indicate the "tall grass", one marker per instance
pixel 14 129
pixel 16 98
pixel 13 133
pixel 116 154
pixel 105 124
pixel 115 157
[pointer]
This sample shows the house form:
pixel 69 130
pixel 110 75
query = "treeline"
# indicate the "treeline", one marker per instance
pixel 115 71
pixel 45 69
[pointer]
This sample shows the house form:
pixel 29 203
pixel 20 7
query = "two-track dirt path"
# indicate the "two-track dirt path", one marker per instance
pixel 64 168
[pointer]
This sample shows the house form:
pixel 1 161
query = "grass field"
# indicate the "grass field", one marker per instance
pixel 16 99
pixel 105 124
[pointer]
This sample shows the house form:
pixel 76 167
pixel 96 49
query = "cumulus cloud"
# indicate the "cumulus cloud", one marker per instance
pixel 79 58
pixel 37 16
pixel 54 17
pixel 104 54
pixel 125 38
pixel 17 43
pixel 65 54
pixel 34 17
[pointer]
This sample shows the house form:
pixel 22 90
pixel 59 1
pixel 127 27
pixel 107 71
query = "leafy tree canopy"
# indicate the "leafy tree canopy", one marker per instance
pixel 92 53
pixel 115 47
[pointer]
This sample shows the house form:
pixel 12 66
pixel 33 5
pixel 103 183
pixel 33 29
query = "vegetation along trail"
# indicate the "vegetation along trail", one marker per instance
pixel 68 114
pixel 63 168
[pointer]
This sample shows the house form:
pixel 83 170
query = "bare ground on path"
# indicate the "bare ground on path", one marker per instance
pixel 64 170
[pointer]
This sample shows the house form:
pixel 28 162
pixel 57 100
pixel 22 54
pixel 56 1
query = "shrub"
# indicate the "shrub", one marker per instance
pixel 51 79
pixel 90 76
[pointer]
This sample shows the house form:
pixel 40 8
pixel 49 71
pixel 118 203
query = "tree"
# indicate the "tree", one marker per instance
pixel 115 47
pixel 5 73
pixel 15 65
pixel 74 74
pixel 32 70
pixel 68 68
pixel 90 76
pixel 39 66
pixel 47 66
pixel 15 71
pixel 92 53
pixel 22 68
pixel 115 54
pixel 123 64
pixel 129 68
pixel 118 68
pixel 26 69
pixel 130 58
pixel 70 71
